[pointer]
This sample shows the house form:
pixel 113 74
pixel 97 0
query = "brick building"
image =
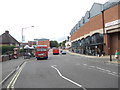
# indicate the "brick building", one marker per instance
pixel 98 31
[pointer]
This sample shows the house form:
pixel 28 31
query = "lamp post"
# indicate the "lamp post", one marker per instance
pixel 22 36
pixel 110 54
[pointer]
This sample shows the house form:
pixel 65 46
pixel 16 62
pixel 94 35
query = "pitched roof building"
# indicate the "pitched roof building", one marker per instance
pixel 7 39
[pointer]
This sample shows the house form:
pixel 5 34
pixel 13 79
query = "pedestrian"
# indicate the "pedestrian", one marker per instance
pixel 60 51
pixel 98 52
pixel 117 54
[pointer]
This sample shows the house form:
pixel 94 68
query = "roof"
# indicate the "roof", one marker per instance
pixel 110 3
pixel 6 38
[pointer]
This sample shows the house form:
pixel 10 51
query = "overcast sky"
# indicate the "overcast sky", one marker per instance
pixel 52 19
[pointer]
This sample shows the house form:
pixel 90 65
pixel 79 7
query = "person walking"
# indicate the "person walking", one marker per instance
pixel 117 54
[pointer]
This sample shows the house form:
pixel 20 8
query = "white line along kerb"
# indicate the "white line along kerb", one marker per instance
pixel 12 82
pixel 7 77
pixel 66 78
pixel 12 86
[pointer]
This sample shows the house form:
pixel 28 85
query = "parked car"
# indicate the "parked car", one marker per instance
pixel 27 55
pixel 63 52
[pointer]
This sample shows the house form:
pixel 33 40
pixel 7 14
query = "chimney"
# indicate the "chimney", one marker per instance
pixel 7 32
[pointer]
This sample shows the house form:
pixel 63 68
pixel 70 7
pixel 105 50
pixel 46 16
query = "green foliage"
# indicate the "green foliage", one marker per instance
pixel 6 49
pixel 62 44
pixel 53 44
pixel 22 50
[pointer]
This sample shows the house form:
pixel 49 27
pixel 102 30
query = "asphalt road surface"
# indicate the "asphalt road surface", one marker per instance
pixel 65 71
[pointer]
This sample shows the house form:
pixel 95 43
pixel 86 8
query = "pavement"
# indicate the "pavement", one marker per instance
pixel 106 57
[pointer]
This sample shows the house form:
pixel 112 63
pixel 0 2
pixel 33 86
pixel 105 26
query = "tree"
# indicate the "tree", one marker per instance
pixel 53 43
pixel 62 44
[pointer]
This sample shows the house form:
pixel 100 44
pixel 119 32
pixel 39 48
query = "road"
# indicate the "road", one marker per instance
pixel 65 71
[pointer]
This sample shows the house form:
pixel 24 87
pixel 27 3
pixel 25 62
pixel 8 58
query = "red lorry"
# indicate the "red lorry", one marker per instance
pixel 55 51
pixel 41 52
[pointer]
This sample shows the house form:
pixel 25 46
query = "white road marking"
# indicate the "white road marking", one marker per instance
pixel 92 66
pixel 12 82
pixel 12 86
pixel 54 65
pixel 108 70
pixel 85 64
pixel 100 68
pixel 12 79
pixel 67 78
pixel 103 70
pixel 113 74
pixel 7 77
pixel 17 67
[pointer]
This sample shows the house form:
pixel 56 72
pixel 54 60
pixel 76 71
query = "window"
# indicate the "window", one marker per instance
pixel 42 49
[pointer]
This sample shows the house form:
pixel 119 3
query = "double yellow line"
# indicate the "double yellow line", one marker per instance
pixel 14 79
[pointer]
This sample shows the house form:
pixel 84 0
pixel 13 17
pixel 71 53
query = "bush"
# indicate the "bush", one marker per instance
pixel 22 50
pixel 6 49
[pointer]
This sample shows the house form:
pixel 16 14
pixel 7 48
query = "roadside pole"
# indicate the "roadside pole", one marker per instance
pixel 110 55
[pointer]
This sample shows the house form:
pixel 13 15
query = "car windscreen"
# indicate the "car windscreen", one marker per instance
pixel 42 49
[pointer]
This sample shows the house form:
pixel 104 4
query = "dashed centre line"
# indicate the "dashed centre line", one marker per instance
pixel 102 70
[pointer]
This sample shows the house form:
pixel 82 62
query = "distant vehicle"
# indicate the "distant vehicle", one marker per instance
pixel 55 51
pixel 41 52
pixel 27 55
pixel 63 52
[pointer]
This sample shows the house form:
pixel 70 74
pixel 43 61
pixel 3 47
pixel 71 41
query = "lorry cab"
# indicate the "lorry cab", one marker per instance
pixel 41 52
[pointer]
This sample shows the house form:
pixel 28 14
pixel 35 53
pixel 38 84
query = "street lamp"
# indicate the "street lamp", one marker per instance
pixel 22 34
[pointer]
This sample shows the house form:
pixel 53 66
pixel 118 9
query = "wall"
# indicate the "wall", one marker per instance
pixel 114 42
pixel 111 39
pixel 112 14
pixel 94 23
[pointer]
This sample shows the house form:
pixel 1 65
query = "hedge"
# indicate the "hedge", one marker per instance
pixel 6 49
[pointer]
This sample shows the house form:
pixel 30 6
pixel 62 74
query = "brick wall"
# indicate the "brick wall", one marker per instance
pixel 112 14
pixel 112 40
pixel 95 23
